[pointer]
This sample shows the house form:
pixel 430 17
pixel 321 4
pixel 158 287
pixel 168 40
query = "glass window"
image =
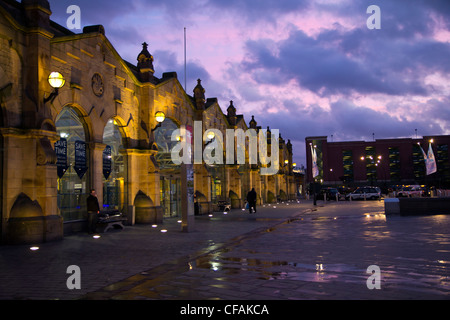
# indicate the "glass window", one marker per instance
pixel 72 189
pixel 114 168
pixel 163 138
pixel 170 183
pixel 347 161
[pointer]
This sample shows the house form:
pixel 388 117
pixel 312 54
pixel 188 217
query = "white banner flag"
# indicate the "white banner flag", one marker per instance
pixel 430 161
pixel 315 168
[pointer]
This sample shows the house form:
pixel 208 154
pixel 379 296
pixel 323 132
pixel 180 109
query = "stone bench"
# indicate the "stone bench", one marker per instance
pixel 417 206
pixel 222 206
pixel 108 220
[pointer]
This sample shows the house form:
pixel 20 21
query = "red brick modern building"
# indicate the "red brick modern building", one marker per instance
pixel 382 162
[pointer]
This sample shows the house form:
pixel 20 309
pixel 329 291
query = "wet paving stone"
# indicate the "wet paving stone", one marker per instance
pixel 322 256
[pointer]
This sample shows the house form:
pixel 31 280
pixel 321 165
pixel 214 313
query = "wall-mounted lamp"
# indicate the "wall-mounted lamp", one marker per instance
pixel 286 163
pixel 210 135
pixel 160 117
pixel 56 81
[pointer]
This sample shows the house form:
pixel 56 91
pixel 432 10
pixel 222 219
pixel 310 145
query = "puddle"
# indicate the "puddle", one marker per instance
pixel 279 270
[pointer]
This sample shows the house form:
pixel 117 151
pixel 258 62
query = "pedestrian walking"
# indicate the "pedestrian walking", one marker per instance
pixel 251 199
pixel 93 210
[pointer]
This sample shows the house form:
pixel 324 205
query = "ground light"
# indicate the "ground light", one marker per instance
pixel 34 248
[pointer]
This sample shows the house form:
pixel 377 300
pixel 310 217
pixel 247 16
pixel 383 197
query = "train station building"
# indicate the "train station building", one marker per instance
pixel 75 116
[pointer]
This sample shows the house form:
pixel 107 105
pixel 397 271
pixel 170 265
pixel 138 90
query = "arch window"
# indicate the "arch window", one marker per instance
pixel 73 175
pixel 114 167
pixel 170 183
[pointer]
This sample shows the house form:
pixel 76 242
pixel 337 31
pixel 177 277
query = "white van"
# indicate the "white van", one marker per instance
pixel 367 193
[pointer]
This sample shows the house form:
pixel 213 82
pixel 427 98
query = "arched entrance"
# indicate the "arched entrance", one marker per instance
pixel 114 167
pixel 73 174
pixel 170 179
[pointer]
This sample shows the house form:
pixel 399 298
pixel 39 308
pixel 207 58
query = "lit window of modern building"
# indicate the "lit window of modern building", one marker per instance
pixel 383 162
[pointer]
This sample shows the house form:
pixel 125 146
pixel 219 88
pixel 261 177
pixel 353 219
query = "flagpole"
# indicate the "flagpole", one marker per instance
pixel 184 58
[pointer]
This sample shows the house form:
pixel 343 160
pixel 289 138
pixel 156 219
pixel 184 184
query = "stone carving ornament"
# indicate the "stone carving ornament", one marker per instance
pixel 97 85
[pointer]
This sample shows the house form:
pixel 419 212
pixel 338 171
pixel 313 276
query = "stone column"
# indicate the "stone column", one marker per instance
pixel 96 169
pixel 187 198
pixel 144 183
pixel 30 213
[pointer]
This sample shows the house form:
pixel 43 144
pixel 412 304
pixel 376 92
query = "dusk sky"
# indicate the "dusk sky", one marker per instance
pixel 305 67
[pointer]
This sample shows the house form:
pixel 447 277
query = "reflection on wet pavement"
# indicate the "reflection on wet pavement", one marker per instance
pixel 310 257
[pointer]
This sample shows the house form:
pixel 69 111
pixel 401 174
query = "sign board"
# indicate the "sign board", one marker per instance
pixel 61 156
pixel 80 158
pixel 107 162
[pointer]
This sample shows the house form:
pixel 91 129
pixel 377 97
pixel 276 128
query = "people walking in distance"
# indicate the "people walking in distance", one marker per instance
pixel 93 210
pixel 251 199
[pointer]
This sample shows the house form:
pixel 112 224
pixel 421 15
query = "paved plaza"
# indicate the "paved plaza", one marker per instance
pixel 286 251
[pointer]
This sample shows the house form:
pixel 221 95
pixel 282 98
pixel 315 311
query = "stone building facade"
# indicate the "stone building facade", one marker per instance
pixel 103 122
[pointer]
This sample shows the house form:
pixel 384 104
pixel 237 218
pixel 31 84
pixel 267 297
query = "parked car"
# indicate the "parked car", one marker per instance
pixel 410 191
pixel 425 191
pixel 343 191
pixel 368 193
pixel 331 194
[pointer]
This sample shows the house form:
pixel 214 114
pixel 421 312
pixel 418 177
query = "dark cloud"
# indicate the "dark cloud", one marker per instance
pixel 256 10
pixel 167 61
pixel 92 12
pixel 399 17
pixel 348 122
pixel 338 62
pixel 393 61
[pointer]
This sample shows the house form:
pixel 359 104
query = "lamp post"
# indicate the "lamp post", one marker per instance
pixel 286 178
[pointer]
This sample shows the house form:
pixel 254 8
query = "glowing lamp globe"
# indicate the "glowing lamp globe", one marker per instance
pixel 160 116
pixel 210 135
pixel 56 80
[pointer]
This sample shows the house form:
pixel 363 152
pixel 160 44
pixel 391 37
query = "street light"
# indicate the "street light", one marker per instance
pixel 160 117
pixel 210 135
pixel 56 81
pixel 370 161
